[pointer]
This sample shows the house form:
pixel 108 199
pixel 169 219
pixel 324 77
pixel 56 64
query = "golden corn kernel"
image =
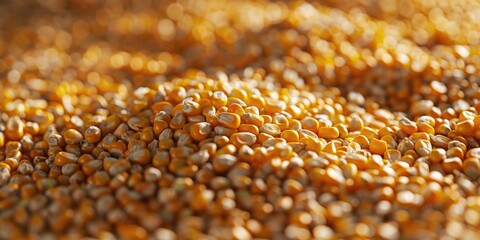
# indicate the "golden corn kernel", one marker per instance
pixel 362 141
pixel 378 146
pixel 437 155
pixel 465 128
pixel 310 123
pixel 249 128
pixel 423 147
pixel 328 132
pixel 229 120
pixel 368 132
pixel 200 131
pixel 63 158
pixel 236 108
pixel 408 126
pixel 452 163
pixel 290 135
pixel 243 138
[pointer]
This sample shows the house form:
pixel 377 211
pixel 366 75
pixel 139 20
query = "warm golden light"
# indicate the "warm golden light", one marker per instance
pixel 239 119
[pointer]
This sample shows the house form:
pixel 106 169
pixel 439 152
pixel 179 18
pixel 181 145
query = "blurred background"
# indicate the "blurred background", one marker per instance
pixel 414 50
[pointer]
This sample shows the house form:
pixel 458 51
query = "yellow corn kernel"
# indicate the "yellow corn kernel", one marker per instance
pixel 328 132
pixel 330 148
pixel 437 155
pixel 290 135
pixel 427 120
pixel 190 107
pixel 200 131
pixel 63 158
pixel 177 109
pixel 408 126
pixel 204 102
pixel 313 144
pixel 295 111
pixel 306 133
pixel 262 137
pixel 2 139
pixel 452 163
pixel 252 109
pixel 362 141
pixel 178 121
pixel 378 146
pixel 260 156
pixel 310 123
pixel 267 118
pixel 281 121
pixel 385 131
pixel 272 107
pixel 232 100
pixel 31 128
pixel 391 143
pixel 401 167
pixel 455 152
pixel 249 128
pixel 338 119
pixel 6 166
pixel 257 101
pixel 72 136
pixel 419 135
pixel 282 150
pixel 359 160
pixel 229 120
pixel 465 128
pixel 252 118
pixel 243 138
pixel 222 109
pixel 471 167
pixel 342 130
pixel 227 149
pixel 159 126
pixel 246 153
pixel 412 153
pixel 376 124
pixel 272 141
pixel 476 120
pixel 354 146
pixel 239 93
pixel 333 177
pixel 474 152
pixel 14 128
pixel 443 128
pixel 271 129
pixel 324 122
pixel 425 127
pixel 369 132
pixel 219 99
pixel 423 147
pixel 341 153
pixel 466 115
pixel 236 108
pixel 355 124
pixel 375 162
pixel 295 125
pixel 393 155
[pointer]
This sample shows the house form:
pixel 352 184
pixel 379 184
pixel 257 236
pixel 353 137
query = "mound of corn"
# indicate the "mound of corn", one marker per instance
pixel 216 119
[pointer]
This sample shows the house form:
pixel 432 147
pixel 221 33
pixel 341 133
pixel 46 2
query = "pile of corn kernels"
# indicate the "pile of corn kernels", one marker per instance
pixel 217 119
